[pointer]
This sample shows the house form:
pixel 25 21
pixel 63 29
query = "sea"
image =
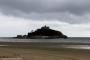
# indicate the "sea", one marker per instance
pixel 84 42
pixel 60 40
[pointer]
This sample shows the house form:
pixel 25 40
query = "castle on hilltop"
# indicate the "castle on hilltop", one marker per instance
pixel 43 33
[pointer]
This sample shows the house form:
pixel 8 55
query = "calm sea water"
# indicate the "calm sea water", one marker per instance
pixel 71 40
pixel 85 40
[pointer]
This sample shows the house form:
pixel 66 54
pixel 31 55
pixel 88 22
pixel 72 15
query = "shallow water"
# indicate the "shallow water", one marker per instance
pixel 77 46
pixel 70 40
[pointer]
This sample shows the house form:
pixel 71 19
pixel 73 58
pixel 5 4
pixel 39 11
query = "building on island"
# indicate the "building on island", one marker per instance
pixel 44 33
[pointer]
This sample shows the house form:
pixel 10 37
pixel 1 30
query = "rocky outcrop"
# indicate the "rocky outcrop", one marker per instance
pixel 43 33
pixel 46 32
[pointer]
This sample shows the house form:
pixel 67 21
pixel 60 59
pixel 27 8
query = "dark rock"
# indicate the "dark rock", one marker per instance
pixel 43 33
pixel 46 32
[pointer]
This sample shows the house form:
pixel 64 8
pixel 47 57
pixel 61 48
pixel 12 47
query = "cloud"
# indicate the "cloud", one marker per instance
pixel 11 26
pixel 44 6
pixel 72 17
pixel 63 10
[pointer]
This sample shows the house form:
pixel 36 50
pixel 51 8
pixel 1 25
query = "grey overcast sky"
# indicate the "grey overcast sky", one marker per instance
pixel 72 17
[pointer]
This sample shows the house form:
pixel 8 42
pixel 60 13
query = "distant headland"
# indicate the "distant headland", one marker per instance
pixel 43 33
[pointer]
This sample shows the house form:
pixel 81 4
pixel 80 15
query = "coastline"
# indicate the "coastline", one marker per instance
pixel 42 51
pixel 46 45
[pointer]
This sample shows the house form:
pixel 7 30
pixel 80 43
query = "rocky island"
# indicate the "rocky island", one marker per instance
pixel 43 33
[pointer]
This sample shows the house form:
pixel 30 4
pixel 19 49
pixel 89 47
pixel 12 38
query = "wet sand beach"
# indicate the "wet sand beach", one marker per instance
pixel 42 51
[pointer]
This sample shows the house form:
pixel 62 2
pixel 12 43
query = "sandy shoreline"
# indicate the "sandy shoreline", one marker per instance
pixel 43 51
pixel 48 45
pixel 39 53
